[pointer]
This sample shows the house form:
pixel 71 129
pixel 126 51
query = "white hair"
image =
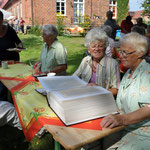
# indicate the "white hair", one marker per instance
pixel 50 29
pixel 95 35
pixel 136 41
pixel 107 29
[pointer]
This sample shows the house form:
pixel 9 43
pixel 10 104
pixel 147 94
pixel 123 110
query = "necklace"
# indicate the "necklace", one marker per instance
pixel 94 66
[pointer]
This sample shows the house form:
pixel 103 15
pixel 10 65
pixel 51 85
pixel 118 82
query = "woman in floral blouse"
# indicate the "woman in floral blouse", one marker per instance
pixel 133 97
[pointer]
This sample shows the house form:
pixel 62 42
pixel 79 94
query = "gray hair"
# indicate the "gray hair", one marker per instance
pixel 136 41
pixel 95 35
pixel 107 29
pixel 138 29
pixel 50 29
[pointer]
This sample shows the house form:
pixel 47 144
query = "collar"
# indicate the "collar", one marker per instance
pixel 53 45
pixel 102 61
pixel 138 69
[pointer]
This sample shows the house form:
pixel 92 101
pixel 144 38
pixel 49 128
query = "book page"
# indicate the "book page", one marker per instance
pixel 82 91
pixel 56 83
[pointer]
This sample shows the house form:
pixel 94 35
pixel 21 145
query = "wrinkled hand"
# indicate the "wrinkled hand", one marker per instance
pixel 92 84
pixel 112 121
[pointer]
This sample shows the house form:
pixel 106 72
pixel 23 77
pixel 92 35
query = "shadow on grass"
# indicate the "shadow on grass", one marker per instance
pixel 13 139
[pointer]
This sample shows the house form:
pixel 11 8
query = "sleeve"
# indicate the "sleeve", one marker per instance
pixel 14 35
pixel 8 115
pixel 61 55
pixel 144 88
pixel 115 75
pixel 81 67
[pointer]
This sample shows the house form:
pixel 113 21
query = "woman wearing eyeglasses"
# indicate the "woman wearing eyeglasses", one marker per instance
pixel 133 97
pixel 98 69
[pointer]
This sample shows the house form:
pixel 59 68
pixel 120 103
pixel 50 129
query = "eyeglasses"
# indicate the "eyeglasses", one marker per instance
pixel 124 53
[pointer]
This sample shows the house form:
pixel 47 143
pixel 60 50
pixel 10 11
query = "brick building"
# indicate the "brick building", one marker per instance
pixel 45 11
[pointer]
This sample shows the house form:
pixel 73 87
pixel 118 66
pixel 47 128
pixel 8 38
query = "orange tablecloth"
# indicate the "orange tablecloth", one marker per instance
pixel 32 107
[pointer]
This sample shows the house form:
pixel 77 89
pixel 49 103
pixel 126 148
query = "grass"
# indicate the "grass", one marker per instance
pixel 74 46
pixel 11 138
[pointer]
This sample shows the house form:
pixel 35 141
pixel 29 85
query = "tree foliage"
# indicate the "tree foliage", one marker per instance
pixel 122 10
pixel 146 5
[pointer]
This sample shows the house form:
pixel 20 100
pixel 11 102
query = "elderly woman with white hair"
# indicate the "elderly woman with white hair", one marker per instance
pixel 133 99
pixel 98 69
pixel 53 56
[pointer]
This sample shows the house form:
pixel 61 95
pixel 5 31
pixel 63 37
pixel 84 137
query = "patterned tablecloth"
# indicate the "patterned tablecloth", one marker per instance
pixel 32 107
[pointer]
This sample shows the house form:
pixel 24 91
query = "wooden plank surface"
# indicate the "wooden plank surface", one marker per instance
pixel 10 83
pixel 73 138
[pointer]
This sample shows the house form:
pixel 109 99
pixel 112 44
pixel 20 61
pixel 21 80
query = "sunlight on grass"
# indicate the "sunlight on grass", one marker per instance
pixel 74 46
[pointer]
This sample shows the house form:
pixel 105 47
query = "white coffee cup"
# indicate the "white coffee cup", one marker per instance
pixel 51 74
pixel 5 64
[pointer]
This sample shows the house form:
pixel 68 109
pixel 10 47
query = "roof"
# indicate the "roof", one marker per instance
pixel 136 14
pixel 3 3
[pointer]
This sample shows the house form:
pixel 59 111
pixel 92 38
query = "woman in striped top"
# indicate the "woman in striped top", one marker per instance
pixel 99 69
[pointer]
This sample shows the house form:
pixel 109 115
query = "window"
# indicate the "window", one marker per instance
pixel 78 10
pixel 61 6
pixel 113 8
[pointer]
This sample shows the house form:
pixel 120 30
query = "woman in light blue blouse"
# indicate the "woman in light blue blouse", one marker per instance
pixel 133 98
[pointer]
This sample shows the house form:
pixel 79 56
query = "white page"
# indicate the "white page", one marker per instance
pixel 75 93
pixel 56 83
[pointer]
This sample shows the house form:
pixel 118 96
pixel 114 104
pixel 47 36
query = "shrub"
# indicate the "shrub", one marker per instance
pixel 60 23
pixel 36 30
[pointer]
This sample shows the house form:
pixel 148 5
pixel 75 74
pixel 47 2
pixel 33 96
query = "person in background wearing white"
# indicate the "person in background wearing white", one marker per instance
pixel 111 47
pixel 53 56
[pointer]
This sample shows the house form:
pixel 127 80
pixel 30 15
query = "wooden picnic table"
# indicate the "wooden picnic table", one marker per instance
pixel 69 137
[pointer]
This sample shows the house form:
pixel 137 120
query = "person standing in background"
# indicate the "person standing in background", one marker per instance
pixel 111 22
pixel 140 23
pixel 16 24
pixel 22 22
pixel 126 26
pixel 8 39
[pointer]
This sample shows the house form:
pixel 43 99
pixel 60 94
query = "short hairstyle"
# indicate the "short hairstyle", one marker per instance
pixel 95 35
pixel 109 13
pixel 139 19
pixel 1 15
pixel 128 18
pixel 107 29
pixel 136 41
pixel 138 29
pixel 50 29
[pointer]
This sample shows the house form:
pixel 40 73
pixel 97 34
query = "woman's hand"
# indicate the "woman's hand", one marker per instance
pixel 112 121
pixel 92 84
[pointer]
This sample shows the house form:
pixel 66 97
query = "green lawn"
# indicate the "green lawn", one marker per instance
pixel 74 45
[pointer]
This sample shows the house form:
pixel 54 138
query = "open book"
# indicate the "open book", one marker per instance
pixel 74 102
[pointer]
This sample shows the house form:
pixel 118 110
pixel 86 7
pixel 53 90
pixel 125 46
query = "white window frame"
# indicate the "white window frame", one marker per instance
pixel 78 2
pixel 61 1
pixel 14 11
pixel 112 6
pixel 18 14
pixel 21 10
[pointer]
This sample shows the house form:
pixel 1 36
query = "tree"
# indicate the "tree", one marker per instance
pixel 122 10
pixel 146 6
